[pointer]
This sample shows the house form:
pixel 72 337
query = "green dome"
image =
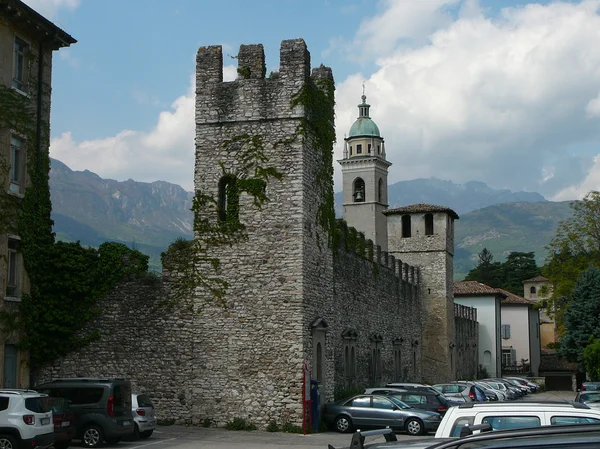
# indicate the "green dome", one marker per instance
pixel 364 126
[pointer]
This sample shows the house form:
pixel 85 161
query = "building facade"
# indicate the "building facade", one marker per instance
pixel 538 289
pixel 27 43
pixel 487 301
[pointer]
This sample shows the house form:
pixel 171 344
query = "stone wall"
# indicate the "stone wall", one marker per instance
pixel 465 354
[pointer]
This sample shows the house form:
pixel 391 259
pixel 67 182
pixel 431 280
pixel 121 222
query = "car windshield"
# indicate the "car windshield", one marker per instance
pixel 58 405
pixel 590 397
pixel 399 403
pixel 38 405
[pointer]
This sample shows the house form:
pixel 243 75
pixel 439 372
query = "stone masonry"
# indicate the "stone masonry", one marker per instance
pixel 350 310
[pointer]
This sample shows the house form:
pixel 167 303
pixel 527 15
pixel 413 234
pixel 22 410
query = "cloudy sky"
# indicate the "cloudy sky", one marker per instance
pixel 501 91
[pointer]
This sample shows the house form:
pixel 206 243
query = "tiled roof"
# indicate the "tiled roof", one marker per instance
pixel 549 361
pixel 421 208
pixel 511 298
pixel 537 279
pixel 466 288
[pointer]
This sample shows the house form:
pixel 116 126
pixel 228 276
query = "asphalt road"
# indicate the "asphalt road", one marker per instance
pixel 181 437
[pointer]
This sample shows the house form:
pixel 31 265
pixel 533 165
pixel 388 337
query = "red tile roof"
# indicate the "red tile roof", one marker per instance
pixel 511 298
pixel 537 279
pixel 421 208
pixel 470 288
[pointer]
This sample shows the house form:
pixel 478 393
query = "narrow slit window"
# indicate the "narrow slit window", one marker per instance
pixel 428 224
pixel 406 224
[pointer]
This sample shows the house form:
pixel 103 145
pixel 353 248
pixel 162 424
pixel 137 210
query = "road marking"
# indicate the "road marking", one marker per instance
pixel 156 442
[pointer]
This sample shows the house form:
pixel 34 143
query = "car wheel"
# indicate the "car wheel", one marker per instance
pixel 62 444
pixel 146 434
pixel 343 424
pixel 136 432
pixel 7 442
pixel 414 427
pixel 92 436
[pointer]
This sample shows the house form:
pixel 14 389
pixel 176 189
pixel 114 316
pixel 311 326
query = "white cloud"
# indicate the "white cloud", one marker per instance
pixel 165 153
pixel 49 8
pixel 506 101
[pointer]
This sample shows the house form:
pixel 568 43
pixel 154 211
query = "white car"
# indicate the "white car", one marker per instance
pixel 514 415
pixel 25 420
pixel 143 415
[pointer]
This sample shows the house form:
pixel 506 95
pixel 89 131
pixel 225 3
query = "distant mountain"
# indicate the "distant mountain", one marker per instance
pixel 93 210
pixel 150 216
pixel 462 198
pixel 505 228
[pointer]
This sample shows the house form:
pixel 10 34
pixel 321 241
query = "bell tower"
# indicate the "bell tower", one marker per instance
pixel 364 178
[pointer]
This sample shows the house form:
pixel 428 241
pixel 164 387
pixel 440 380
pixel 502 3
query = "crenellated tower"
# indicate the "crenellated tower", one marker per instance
pixel 281 275
pixel 364 178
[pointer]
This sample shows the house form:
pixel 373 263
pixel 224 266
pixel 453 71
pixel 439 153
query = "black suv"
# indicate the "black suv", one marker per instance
pixel 102 407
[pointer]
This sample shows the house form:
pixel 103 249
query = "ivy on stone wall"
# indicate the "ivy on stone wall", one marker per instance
pixel 65 279
pixel 194 264
pixel 318 101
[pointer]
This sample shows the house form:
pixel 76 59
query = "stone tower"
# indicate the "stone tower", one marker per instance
pixel 422 235
pixel 364 178
pixel 256 340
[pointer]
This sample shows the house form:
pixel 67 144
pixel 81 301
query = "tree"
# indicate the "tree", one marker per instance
pixel 486 271
pixel 591 357
pixel 508 275
pixel 518 267
pixel 581 318
pixel 575 246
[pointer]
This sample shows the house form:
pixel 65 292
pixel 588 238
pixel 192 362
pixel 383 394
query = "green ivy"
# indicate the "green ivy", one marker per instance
pixel 66 280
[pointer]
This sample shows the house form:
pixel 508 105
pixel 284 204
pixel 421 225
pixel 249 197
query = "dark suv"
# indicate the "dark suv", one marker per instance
pixel 102 407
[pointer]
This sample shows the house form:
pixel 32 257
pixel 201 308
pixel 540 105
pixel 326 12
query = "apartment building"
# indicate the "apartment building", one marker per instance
pixel 27 43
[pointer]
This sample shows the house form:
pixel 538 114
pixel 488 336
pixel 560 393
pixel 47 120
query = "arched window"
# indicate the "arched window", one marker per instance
pixel 229 199
pixel 406 226
pixel 428 224
pixel 487 358
pixel 532 290
pixel 380 191
pixel 358 193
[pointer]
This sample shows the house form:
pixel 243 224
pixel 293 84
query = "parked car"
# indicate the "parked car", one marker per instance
pixel 143 415
pixel 509 393
pixel 515 415
pixel 517 392
pixel 524 388
pixel 64 422
pixel 421 399
pixel 25 420
pixel 590 398
pixel 369 410
pixel 468 391
pixel 102 407
pixel 491 393
pixel 590 386
pixel 554 437
pixel 534 387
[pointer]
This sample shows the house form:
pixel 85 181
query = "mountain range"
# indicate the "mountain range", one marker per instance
pixel 150 216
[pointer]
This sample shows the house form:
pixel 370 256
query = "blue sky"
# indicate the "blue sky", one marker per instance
pixel 505 92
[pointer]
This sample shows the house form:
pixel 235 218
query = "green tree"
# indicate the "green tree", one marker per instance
pixel 508 275
pixel 581 317
pixel 575 246
pixel 591 357
pixel 487 272
pixel 518 267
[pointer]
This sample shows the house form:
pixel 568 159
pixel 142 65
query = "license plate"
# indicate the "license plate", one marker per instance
pixel 126 423
pixel 66 423
pixel 45 421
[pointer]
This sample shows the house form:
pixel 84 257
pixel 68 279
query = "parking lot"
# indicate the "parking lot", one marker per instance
pixel 182 437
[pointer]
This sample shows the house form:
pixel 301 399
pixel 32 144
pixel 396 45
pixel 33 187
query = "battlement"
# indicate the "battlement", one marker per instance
pixel 465 312
pixel 353 241
pixel 252 96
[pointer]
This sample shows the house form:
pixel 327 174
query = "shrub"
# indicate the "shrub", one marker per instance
pixel 207 422
pixel 240 424
pixel 166 422
pixel 293 428
pixel 272 426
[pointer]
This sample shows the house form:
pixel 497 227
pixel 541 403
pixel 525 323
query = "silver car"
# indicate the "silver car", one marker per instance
pixel 143 415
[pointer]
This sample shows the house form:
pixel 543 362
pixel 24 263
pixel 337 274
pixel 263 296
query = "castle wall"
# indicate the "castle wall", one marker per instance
pixel 465 357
